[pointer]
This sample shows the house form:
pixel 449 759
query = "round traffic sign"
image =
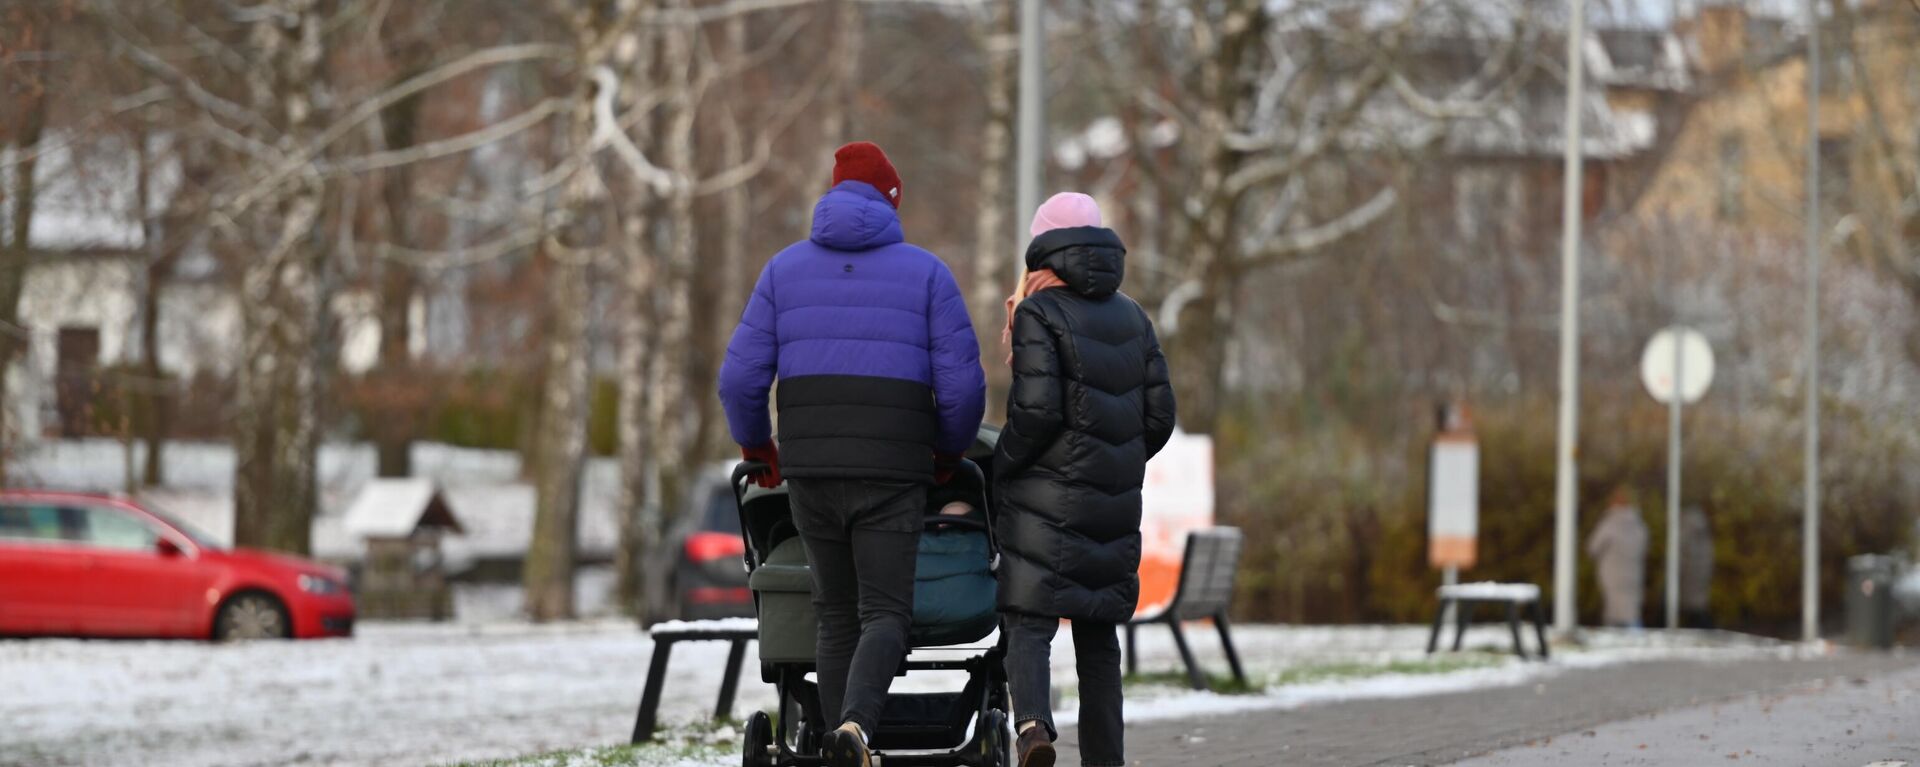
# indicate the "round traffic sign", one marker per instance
pixel 1695 361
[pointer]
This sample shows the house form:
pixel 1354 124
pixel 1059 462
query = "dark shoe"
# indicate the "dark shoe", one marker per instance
pixel 1034 748
pixel 845 749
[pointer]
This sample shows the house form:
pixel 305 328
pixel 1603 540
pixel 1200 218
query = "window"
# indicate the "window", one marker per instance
pixel 39 523
pixel 723 515
pixel 115 529
pixel 1732 177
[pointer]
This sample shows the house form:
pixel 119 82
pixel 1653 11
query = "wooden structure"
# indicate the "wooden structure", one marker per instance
pixel 1205 592
pixel 401 522
pixel 736 632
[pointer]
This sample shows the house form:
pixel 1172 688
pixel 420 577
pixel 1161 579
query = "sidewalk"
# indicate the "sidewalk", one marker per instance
pixel 1447 728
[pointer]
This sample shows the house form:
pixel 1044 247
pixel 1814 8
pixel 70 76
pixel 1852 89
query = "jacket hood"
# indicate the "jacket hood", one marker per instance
pixel 1090 259
pixel 853 216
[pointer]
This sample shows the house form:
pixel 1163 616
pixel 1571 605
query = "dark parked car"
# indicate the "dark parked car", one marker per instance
pixel 709 578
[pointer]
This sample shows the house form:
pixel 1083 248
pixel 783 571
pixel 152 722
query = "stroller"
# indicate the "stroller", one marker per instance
pixel 954 604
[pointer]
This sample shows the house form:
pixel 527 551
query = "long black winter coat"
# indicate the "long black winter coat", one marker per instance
pixel 1090 404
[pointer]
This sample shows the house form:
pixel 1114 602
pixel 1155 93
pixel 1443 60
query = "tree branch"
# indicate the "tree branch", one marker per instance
pixel 1312 238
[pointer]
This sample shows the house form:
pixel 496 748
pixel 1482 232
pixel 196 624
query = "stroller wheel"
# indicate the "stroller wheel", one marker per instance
pixel 758 750
pixel 996 740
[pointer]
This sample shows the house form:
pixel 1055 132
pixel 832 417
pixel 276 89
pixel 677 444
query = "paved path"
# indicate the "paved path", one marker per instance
pixel 1844 722
pixel 1551 714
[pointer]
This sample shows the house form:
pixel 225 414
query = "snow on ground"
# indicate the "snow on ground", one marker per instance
pixel 408 694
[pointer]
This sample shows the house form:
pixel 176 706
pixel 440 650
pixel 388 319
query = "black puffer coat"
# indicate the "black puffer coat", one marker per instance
pixel 1090 404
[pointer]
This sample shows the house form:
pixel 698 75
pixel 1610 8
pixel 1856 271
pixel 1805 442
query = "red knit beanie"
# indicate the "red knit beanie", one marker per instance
pixel 863 161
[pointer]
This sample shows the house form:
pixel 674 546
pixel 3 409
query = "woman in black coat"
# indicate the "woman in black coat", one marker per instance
pixel 1090 403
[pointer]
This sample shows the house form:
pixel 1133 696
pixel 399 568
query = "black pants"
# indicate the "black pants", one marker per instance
pixel 1096 650
pixel 862 538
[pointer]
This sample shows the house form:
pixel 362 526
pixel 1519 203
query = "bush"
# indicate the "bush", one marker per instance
pixel 1336 519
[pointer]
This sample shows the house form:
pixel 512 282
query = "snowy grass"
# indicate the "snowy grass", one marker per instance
pixel 1263 683
pixel 696 745
pixel 426 694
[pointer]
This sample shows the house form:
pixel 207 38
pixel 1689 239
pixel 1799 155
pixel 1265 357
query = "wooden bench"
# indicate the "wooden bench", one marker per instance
pixel 1205 590
pixel 735 631
pixel 1513 596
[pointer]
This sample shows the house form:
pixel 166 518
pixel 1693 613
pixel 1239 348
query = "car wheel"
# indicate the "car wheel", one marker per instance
pixel 252 616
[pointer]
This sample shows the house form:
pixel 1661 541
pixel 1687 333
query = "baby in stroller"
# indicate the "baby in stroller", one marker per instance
pixel 954 604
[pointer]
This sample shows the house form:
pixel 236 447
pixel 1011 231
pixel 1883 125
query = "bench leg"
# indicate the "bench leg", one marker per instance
pixel 647 718
pixel 1133 652
pixel 1194 676
pixel 1439 617
pixel 1540 627
pixel 1462 612
pixel 730 679
pixel 1513 625
pixel 1226 642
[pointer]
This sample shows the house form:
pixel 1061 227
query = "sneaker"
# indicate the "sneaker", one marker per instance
pixel 844 748
pixel 1034 748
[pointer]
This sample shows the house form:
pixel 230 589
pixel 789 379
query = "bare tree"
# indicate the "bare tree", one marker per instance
pixel 1271 103
pixel 284 290
pixel 994 250
pixel 26 43
pixel 596 30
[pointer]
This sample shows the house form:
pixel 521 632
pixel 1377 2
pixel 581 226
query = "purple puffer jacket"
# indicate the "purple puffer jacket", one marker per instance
pixel 869 338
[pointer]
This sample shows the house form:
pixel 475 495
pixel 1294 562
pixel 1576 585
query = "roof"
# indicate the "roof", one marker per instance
pixel 395 508
pixel 88 189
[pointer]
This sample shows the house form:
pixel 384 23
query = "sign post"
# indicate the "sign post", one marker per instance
pixel 1453 496
pixel 1676 368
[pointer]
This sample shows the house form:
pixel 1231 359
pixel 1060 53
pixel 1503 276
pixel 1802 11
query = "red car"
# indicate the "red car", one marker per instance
pixel 75 564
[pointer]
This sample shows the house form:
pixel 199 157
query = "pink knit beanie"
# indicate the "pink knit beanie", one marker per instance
pixel 1064 211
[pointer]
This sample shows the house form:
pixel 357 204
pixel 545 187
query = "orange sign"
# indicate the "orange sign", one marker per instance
pixel 1177 499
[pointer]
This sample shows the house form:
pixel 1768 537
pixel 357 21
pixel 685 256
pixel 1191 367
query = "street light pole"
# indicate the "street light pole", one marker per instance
pixel 1030 132
pixel 1564 480
pixel 1810 558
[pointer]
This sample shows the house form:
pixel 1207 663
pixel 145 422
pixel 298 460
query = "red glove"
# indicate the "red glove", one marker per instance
pixel 768 454
pixel 943 468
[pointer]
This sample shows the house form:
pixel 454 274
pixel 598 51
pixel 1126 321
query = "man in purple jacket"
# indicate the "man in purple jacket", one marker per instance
pixel 881 392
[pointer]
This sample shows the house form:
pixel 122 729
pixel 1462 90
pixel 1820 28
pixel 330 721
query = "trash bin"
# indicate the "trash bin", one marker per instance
pixel 1870 579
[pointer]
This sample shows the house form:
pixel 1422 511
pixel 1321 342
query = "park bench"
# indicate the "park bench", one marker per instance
pixel 735 631
pixel 1467 596
pixel 1205 591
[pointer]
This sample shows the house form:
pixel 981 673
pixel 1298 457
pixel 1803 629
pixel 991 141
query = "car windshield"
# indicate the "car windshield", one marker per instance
pixel 722 516
pixel 193 533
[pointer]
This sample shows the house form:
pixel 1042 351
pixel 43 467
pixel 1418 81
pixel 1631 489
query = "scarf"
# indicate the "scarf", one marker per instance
pixel 1033 282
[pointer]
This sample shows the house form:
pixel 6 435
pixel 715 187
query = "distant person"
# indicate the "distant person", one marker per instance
pixel 1090 403
pixel 1696 568
pixel 1619 546
pixel 881 391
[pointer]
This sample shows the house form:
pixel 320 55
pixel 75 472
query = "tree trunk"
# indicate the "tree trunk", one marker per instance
pixel 668 418
pixel 997 259
pixel 398 407
pixel 154 386
pixel 14 259
pixel 563 437
pixel 561 443
pixel 283 303
pixel 22 121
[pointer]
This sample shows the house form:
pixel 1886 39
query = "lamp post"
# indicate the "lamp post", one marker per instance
pixel 1564 481
pixel 1810 557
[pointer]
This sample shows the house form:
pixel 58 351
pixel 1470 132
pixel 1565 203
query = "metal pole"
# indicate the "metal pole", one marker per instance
pixel 1030 131
pixel 1674 403
pixel 1564 518
pixel 1810 559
